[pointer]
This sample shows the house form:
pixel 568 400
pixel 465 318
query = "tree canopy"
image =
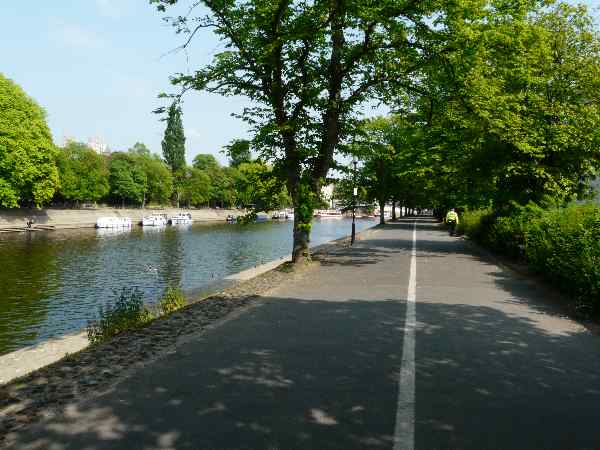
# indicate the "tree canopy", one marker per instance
pixel 205 161
pixel 83 173
pixel 239 152
pixel 28 173
pixel 307 67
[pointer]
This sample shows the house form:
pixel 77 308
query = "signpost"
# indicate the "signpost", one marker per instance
pixel 354 194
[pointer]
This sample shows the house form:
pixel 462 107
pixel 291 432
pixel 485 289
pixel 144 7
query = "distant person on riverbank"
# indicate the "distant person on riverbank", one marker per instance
pixel 29 223
pixel 452 221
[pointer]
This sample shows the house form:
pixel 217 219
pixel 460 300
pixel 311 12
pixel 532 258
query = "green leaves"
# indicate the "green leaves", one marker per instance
pixel 83 173
pixel 173 144
pixel 28 172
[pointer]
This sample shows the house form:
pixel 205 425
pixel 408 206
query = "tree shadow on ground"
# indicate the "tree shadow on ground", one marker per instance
pixel 353 256
pixel 297 374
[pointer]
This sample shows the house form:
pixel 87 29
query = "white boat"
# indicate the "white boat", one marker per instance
pixel 181 219
pixel 329 214
pixel 113 222
pixel 154 220
pixel 282 215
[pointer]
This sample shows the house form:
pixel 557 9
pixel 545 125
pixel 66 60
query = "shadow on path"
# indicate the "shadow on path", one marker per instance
pixel 295 374
pixel 488 380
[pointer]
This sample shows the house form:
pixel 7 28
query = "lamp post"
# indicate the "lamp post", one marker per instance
pixel 354 193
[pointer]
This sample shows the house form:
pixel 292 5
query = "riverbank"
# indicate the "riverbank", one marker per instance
pixel 94 370
pixel 14 219
pixel 29 359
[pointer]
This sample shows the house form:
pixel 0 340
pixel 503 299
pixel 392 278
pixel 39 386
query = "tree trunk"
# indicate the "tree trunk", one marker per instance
pixel 304 196
pixel 301 239
pixel 393 210
pixel 381 212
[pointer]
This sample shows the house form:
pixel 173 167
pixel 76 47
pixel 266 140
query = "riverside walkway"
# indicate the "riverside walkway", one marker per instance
pixel 408 340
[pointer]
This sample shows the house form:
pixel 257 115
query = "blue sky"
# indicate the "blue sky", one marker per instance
pixel 96 66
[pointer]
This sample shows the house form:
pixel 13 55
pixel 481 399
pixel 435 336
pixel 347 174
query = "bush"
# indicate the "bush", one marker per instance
pixel 562 244
pixel 125 312
pixel 171 301
pixel 471 222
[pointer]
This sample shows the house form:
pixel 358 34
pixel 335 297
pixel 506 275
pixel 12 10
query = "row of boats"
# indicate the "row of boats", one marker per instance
pixel 158 220
pixel 153 220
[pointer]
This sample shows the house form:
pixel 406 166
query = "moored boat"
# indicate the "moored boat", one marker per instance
pixel 113 222
pixel 181 219
pixel 328 214
pixel 154 220
pixel 280 215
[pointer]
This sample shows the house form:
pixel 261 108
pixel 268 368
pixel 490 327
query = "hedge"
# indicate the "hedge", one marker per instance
pixel 562 244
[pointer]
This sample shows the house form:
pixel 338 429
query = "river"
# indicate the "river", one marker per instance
pixel 52 283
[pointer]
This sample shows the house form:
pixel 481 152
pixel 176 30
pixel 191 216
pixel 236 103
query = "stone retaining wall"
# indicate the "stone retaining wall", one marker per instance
pixel 83 218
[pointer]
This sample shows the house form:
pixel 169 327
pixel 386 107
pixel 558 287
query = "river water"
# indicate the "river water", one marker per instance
pixel 52 283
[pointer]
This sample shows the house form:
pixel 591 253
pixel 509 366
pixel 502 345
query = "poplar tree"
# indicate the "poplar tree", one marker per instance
pixel 173 143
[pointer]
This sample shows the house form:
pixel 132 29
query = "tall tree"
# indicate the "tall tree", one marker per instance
pixel 196 189
pixel 376 149
pixel 205 161
pixel 307 67
pixel 257 186
pixel 28 173
pixel 128 181
pixel 173 143
pixel 513 114
pixel 83 173
pixel 140 148
pixel 159 180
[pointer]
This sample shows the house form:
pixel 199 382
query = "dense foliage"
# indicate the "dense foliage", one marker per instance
pixel 562 244
pixel 28 174
pixel 307 68
pixel 173 143
pixel 508 112
pixel 83 174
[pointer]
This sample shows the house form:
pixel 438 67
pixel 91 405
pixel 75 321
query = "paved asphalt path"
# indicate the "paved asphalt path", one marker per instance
pixel 335 360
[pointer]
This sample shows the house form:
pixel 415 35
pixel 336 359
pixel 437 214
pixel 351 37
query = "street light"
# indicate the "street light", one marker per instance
pixel 354 193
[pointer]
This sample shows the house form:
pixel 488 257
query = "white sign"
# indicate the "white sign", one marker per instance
pixel 355 191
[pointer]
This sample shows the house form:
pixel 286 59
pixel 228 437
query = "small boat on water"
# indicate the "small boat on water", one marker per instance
pixel 282 215
pixel 113 222
pixel 328 214
pixel 155 220
pixel 181 219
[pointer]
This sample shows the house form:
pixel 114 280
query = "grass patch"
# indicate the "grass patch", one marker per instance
pixel 172 300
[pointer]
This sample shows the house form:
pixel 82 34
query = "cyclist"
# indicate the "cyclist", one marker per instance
pixel 452 221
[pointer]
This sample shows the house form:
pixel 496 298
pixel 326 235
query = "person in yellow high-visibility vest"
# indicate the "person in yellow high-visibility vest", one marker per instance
pixel 452 221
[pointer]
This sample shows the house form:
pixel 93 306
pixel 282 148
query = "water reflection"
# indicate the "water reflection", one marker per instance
pixel 52 283
pixel 27 275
